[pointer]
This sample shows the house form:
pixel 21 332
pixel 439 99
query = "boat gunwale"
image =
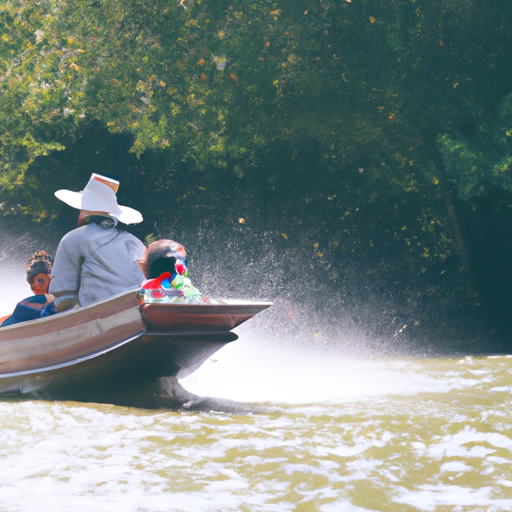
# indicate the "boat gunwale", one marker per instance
pixel 184 305
pixel 61 316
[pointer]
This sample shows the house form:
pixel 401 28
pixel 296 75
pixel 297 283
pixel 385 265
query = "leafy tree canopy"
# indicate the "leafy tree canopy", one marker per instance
pixel 362 123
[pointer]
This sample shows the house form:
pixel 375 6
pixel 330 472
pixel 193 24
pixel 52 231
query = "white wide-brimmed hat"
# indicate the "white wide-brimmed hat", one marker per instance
pixel 100 196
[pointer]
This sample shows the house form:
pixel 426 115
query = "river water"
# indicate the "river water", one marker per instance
pixel 327 433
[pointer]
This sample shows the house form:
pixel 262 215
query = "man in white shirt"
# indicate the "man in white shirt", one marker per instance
pixel 98 259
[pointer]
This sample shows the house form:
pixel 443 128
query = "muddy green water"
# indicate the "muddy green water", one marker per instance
pixel 330 434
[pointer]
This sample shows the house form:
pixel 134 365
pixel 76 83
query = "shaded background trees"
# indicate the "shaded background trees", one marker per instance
pixel 349 155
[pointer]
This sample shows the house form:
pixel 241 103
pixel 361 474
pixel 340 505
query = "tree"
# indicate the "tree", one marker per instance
pixel 346 125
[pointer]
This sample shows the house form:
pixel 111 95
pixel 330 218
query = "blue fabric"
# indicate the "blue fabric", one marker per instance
pixel 30 309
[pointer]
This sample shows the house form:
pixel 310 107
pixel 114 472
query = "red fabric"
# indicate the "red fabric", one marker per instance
pixel 155 284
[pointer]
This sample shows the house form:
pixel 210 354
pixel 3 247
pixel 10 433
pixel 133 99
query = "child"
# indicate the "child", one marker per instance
pixel 38 269
pixel 164 265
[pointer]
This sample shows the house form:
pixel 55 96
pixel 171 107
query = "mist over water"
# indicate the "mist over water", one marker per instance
pixel 257 369
pixel 320 302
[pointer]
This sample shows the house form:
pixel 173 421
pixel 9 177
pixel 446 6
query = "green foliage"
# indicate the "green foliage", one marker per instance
pixel 338 123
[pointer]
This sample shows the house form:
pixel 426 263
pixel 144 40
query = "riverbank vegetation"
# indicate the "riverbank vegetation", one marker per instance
pixel 354 154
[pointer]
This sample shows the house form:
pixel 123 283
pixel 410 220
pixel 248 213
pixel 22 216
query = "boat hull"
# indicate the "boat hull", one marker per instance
pixel 116 351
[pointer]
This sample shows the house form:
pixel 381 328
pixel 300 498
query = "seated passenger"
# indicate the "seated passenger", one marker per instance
pixel 38 269
pixel 99 259
pixel 164 264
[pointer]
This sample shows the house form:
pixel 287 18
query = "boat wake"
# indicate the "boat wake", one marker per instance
pixel 256 370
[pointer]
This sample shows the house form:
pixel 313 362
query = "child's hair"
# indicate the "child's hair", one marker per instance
pixel 160 257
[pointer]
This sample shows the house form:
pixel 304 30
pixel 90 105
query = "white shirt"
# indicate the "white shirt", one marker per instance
pixel 96 263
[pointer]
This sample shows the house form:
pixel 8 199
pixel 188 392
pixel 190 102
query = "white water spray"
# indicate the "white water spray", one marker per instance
pixel 253 369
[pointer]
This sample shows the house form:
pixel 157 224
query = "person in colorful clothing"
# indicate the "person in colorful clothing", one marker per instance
pixel 165 267
pixel 99 259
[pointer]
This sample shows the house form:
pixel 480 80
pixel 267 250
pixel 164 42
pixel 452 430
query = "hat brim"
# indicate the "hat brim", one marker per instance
pixel 124 214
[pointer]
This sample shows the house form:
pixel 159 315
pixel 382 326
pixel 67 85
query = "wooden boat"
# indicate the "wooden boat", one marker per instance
pixel 117 351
